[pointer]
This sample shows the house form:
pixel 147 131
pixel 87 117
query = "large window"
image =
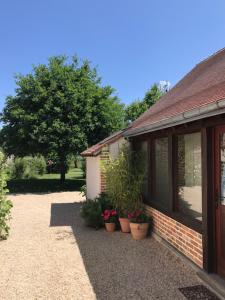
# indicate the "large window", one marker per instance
pixel 189 175
pixel 174 179
pixel 161 182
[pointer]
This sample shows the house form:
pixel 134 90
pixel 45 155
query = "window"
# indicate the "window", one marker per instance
pixel 161 182
pixel 189 175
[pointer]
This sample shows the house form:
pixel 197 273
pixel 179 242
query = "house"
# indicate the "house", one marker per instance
pixel 95 156
pixel 183 135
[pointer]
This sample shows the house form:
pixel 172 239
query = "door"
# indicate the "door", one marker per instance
pixel 220 198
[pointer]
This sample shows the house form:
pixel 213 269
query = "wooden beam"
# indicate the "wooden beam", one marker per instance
pixel 207 200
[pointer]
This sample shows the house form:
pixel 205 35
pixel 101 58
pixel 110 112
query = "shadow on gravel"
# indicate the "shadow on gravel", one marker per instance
pixel 119 267
pixel 43 186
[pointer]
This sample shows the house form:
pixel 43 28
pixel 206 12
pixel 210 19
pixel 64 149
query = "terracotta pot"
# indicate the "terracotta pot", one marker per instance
pixel 125 225
pixel 139 231
pixel 110 227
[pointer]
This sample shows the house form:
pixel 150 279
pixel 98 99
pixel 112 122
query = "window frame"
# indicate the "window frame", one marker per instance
pixel 172 211
pixel 176 197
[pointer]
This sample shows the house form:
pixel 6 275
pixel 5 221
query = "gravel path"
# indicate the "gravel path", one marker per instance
pixel 50 254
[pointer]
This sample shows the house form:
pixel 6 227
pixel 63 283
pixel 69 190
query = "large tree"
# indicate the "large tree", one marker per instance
pixel 138 107
pixel 59 109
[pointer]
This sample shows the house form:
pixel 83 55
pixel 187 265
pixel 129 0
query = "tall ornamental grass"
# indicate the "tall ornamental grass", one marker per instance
pixel 124 179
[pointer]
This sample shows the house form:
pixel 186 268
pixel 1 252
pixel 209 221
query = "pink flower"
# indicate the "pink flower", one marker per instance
pixel 130 215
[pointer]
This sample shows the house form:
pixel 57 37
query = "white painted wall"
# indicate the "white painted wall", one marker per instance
pixel 93 176
pixel 93 169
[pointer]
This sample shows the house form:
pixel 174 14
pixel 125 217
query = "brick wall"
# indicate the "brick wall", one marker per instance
pixel 104 156
pixel 184 239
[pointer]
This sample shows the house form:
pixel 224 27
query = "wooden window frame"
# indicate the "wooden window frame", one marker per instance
pixel 172 210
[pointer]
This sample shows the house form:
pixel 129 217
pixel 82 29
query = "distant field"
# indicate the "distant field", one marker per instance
pixel 48 183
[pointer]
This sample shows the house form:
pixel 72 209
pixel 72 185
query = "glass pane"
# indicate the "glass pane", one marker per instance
pixel 222 167
pixel 190 175
pixel 144 148
pixel 161 173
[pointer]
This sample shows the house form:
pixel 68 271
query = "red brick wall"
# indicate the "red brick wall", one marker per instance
pixel 104 156
pixel 184 239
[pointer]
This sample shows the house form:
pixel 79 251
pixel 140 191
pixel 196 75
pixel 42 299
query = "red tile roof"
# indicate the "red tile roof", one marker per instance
pixel 96 149
pixel 204 85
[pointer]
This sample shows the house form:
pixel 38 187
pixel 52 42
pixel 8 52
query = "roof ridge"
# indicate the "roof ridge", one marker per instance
pixel 211 56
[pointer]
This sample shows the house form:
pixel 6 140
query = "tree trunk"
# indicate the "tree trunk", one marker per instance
pixel 62 171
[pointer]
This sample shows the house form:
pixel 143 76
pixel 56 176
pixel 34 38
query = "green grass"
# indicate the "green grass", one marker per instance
pixel 48 183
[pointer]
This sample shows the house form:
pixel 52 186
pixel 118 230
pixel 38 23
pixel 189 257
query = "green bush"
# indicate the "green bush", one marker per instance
pixel 104 201
pixel 39 165
pixel 5 205
pixel 92 209
pixel 91 213
pixel 27 167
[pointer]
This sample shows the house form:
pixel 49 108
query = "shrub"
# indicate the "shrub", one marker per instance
pixel 78 161
pixel 104 201
pixel 5 205
pixel 83 190
pixel 27 167
pixel 39 164
pixel 92 210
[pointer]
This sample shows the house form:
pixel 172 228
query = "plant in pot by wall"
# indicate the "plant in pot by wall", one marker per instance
pixel 91 210
pixel 110 219
pixel 124 180
pixel 139 224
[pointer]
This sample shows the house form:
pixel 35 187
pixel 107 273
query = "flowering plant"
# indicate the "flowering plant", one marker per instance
pixel 109 216
pixel 139 216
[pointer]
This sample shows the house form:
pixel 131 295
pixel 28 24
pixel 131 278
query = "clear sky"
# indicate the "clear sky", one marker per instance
pixel 134 43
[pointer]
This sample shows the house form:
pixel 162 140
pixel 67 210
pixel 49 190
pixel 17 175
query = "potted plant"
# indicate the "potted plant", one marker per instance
pixel 124 180
pixel 109 217
pixel 124 222
pixel 139 224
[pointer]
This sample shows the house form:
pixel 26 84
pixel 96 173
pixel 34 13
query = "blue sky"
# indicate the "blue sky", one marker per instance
pixel 134 43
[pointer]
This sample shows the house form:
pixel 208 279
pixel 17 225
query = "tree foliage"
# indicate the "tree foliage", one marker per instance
pixel 138 107
pixel 58 109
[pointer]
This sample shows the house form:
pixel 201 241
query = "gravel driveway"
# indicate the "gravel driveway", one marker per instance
pixel 50 254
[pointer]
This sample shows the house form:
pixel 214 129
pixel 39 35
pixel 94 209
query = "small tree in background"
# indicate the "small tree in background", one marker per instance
pixel 59 109
pixel 5 205
pixel 138 107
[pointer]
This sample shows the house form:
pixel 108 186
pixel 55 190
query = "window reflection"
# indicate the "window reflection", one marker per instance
pixel 161 173
pixel 190 175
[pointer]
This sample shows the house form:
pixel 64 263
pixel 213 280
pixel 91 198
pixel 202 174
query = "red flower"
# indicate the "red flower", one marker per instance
pixel 130 215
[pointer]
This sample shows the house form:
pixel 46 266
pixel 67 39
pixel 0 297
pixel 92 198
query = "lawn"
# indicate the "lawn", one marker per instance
pixel 48 183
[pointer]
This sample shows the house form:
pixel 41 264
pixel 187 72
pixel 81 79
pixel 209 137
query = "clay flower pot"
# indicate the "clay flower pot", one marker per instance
pixel 139 231
pixel 125 225
pixel 110 227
